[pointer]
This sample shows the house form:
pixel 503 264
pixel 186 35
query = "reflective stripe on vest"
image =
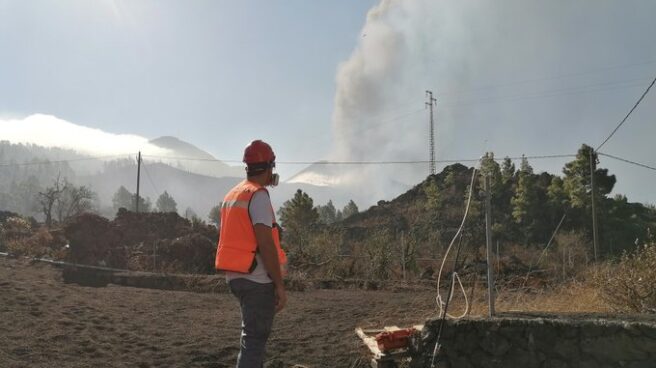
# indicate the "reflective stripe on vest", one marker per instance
pixel 237 242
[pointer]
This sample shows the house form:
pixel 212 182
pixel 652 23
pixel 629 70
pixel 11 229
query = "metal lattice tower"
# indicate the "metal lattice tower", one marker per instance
pixel 431 139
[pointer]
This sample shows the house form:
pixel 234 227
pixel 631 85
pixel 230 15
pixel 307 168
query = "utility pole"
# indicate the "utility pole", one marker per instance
pixel 498 258
pixel 403 254
pixel 593 167
pixel 138 177
pixel 431 139
pixel 488 240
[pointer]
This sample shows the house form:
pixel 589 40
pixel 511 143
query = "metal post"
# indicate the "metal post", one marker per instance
pixel 138 178
pixel 498 258
pixel 595 240
pixel 403 254
pixel 431 139
pixel 488 240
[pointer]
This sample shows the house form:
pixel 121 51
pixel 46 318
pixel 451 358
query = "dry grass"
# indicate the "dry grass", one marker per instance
pixel 40 243
pixel 628 285
pixel 571 297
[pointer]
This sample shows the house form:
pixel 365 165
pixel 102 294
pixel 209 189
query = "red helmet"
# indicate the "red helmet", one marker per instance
pixel 258 152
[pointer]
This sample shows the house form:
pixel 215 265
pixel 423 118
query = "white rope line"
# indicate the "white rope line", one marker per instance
pixel 440 302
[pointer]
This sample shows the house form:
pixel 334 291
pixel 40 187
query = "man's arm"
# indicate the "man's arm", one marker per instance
pixel 269 255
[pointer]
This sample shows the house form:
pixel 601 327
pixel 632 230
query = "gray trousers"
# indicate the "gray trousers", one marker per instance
pixel 257 303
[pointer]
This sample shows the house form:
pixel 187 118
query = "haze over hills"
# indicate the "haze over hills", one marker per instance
pixel 196 191
pixel 194 178
pixel 367 183
pixel 92 154
pixel 189 157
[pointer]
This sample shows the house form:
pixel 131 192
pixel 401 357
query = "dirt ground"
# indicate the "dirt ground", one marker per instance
pixel 47 323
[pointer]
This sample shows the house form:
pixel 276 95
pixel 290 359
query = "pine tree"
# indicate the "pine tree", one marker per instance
pixel 297 217
pixel 577 179
pixel 350 209
pixel 299 211
pixel 166 203
pixel 556 196
pixel 507 170
pixel 577 186
pixel 489 167
pixel 215 215
pixel 433 198
pixel 524 203
pixel 190 214
pixel 122 199
pixel 145 204
pixel 327 213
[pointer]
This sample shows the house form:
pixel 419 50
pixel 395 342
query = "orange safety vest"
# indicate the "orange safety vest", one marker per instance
pixel 237 243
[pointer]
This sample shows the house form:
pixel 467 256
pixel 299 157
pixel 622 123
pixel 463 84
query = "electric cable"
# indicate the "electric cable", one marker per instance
pixel 627 115
pixel 149 178
pixel 546 94
pixel 440 302
pixel 627 161
pixel 443 306
pixel 325 162
pixel 392 114
pixel 59 161
pixel 544 251
pixel 384 122
pixel 408 162
pixel 547 78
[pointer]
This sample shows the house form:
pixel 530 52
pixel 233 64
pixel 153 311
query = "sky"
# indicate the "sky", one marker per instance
pixel 214 73
pixel 346 79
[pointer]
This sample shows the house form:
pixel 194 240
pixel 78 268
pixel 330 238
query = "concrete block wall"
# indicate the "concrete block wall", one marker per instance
pixel 533 341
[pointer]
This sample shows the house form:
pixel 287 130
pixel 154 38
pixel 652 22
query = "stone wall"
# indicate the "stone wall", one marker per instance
pixel 541 341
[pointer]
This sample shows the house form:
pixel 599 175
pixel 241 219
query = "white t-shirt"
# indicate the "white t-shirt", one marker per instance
pixel 261 212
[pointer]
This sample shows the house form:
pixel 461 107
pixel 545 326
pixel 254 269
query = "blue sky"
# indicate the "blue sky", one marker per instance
pixel 214 73
pixel 345 79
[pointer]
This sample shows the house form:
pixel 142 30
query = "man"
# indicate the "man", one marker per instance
pixel 250 254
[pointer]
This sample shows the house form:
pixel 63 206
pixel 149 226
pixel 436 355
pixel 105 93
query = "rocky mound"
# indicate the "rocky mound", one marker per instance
pixel 161 242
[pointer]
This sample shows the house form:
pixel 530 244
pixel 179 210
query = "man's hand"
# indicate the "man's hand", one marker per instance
pixel 281 298
pixel 269 254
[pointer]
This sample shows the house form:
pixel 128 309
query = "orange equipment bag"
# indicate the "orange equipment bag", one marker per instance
pixel 389 340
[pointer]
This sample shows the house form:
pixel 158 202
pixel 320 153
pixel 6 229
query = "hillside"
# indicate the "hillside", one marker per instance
pixel 199 192
pixel 366 184
pixel 192 176
pixel 186 156
pixel 527 209
pixel 412 207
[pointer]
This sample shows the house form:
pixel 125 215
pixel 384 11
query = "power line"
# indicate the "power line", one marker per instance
pixel 59 161
pixel 589 88
pixel 602 87
pixel 149 178
pixel 475 100
pixel 554 77
pixel 394 113
pixel 627 115
pixel 398 162
pixel 323 162
pixel 384 122
pixel 482 88
pixel 627 161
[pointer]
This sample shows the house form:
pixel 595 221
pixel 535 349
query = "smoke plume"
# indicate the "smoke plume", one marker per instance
pixel 50 131
pixel 513 77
